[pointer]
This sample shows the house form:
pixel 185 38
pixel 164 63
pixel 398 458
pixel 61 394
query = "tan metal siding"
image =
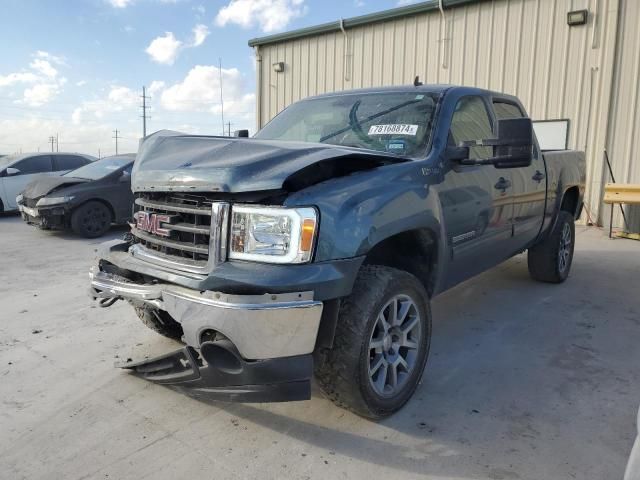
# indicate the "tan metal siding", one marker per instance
pixel 521 47
pixel 623 140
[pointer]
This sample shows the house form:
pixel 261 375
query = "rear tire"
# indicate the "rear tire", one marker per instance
pixel 160 322
pixel 91 220
pixel 376 363
pixel 550 260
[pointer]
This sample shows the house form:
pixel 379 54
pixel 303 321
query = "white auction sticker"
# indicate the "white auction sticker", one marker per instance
pixel 396 129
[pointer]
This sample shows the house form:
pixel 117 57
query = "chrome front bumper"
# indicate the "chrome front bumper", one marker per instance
pixel 260 326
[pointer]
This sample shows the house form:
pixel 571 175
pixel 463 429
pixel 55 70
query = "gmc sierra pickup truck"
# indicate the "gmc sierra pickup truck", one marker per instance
pixel 314 248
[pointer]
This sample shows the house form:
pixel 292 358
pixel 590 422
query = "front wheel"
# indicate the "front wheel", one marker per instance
pixel 91 219
pixel 550 260
pixel 381 343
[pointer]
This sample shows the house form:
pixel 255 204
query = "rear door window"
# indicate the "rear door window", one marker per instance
pixel 37 164
pixel 504 110
pixel 69 162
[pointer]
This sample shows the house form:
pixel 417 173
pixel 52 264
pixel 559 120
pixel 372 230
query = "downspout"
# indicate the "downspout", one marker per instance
pixel 347 53
pixel 444 39
pixel 258 58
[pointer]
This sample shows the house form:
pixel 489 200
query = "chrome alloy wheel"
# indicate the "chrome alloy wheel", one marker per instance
pixel 564 252
pixel 394 345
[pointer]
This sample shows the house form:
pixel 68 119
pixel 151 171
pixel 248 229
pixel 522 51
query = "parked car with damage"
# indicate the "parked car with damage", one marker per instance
pixel 87 200
pixel 16 171
pixel 316 245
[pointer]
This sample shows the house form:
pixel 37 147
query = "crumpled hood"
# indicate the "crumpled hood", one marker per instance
pixel 175 161
pixel 45 184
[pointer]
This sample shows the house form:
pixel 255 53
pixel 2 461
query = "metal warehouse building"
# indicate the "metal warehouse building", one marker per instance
pixel 583 67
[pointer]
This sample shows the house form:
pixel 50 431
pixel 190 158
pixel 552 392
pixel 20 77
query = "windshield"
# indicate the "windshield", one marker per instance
pixel 395 122
pixel 99 168
pixel 7 159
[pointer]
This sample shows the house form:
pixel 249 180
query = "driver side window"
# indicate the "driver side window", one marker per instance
pixel 471 122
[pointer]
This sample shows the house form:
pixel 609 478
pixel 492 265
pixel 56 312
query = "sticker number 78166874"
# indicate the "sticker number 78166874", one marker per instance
pixel 394 129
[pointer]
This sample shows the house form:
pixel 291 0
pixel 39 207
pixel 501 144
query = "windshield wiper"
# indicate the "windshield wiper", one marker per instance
pixel 368 119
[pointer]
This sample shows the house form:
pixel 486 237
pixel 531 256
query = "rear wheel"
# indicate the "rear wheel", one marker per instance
pixel 91 219
pixel 550 260
pixel 160 322
pixel 381 343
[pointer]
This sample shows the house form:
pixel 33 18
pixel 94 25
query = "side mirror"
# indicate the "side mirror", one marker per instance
pixel 125 177
pixel 241 133
pixel 514 146
pixel 457 154
pixel 12 171
pixel 512 149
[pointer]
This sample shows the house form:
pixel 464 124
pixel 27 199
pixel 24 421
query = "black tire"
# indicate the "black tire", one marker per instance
pixel 550 260
pixel 160 322
pixel 346 375
pixel 92 219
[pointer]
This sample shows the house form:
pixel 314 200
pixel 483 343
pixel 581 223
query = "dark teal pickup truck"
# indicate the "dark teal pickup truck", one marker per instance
pixel 314 248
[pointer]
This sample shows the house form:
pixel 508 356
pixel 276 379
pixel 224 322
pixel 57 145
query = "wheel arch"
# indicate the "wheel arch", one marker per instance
pixel 571 201
pixel 413 251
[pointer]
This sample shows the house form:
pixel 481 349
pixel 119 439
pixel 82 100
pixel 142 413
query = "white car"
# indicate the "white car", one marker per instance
pixel 16 171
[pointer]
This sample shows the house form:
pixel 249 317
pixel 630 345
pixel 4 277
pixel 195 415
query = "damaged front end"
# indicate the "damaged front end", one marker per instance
pixel 217 372
pixel 246 348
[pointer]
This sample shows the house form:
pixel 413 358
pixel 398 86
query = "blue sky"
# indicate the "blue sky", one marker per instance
pixel 76 68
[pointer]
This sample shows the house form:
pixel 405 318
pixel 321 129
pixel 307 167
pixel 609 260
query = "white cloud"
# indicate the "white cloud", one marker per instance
pixel 81 83
pixel 40 94
pixel 200 33
pixel 402 3
pixel 164 50
pixel 17 77
pixel 269 15
pixel 117 100
pixel 42 76
pixel 44 67
pixel 200 92
pixel 155 87
pixel 120 3
pixel 359 3
pixel 50 57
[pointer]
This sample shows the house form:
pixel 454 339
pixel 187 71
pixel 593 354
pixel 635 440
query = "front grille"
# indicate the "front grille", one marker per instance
pixel 194 232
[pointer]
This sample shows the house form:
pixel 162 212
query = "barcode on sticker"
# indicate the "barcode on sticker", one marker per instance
pixel 396 129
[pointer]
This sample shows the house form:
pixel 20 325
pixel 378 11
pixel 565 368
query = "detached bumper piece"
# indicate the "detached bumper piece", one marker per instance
pixel 218 372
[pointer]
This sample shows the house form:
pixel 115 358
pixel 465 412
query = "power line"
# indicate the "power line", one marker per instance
pixel 144 111
pixel 52 140
pixel 116 137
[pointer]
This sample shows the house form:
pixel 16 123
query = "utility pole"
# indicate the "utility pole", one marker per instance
pixel 144 107
pixel 229 128
pixel 221 99
pixel 98 154
pixel 116 137
pixel 52 139
pixel 57 144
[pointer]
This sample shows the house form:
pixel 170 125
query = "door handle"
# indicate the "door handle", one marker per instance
pixel 538 176
pixel 502 184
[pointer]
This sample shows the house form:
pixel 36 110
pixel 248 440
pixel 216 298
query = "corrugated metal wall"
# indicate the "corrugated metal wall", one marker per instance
pixel 623 139
pixel 522 47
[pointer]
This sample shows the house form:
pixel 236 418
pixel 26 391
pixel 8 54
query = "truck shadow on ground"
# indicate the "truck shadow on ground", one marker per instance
pixel 509 357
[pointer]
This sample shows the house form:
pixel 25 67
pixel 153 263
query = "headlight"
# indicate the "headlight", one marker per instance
pixel 19 199
pixel 53 201
pixel 272 234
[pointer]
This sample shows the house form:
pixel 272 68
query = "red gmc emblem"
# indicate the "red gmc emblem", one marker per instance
pixel 151 222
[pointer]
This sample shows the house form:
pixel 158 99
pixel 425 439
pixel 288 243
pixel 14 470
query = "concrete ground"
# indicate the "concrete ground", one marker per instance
pixel 525 381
